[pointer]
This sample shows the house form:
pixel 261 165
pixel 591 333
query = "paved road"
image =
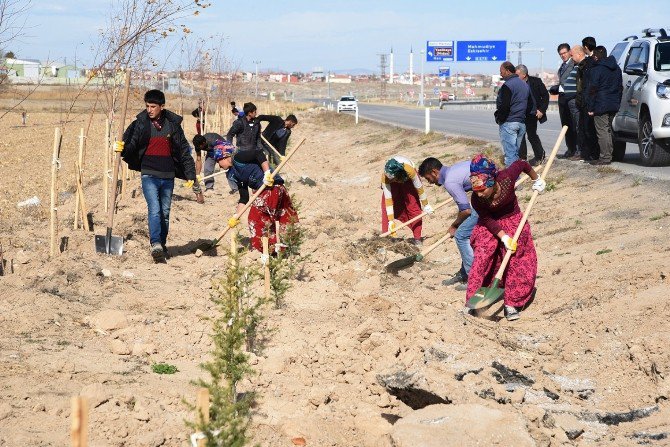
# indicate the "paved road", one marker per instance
pixel 480 124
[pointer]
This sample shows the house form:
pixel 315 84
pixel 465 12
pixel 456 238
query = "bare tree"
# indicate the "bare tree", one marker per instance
pixel 12 20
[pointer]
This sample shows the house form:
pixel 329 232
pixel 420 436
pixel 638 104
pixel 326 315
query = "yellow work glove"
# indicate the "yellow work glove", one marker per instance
pixel 188 184
pixel 118 146
pixel 510 243
pixel 391 228
pixel 233 222
pixel 268 180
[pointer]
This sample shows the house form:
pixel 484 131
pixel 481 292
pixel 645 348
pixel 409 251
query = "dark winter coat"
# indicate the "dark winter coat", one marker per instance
pixel 512 102
pixel 136 139
pixel 540 95
pixel 605 87
pixel 583 69
pixel 275 123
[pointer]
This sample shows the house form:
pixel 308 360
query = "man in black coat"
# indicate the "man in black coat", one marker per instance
pixel 603 100
pixel 277 132
pixel 155 145
pixel 541 97
pixel 588 143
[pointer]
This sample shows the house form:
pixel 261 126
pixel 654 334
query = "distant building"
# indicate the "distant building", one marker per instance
pixel 339 79
pixel 28 68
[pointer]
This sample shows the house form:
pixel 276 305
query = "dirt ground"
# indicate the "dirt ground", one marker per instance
pixel 356 357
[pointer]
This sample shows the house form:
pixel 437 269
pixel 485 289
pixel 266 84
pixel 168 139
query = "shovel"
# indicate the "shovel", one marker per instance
pixel 487 296
pixel 441 204
pixel 403 263
pixel 303 179
pixel 108 244
pixel 214 243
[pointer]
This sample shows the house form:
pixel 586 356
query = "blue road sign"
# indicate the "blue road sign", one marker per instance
pixel 440 51
pixel 443 72
pixel 481 50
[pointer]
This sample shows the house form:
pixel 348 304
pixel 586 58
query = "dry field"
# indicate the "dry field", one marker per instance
pixel 356 357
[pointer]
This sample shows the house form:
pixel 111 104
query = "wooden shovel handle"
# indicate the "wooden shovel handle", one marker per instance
pixel 276 152
pixel 117 157
pixel 440 205
pixel 260 190
pixel 533 198
pixel 440 241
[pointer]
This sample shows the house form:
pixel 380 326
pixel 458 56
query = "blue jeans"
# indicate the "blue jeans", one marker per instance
pixel 462 238
pixel 158 194
pixel 511 135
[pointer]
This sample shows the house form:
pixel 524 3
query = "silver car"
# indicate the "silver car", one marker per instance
pixel 644 115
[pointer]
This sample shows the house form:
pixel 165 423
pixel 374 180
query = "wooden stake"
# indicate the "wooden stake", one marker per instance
pixel 80 196
pixel 105 167
pixel 55 162
pixel 124 178
pixel 79 428
pixel 2 261
pixel 277 241
pixel 202 403
pixel 233 242
pixel 266 267
pixel 77 178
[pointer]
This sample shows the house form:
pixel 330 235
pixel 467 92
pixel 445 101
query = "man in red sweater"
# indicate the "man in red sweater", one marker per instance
pixel 155 145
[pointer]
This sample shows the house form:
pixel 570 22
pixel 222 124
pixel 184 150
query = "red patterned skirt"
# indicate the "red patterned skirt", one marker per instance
pixel 274 204
pixel 406 205
pixel 519 278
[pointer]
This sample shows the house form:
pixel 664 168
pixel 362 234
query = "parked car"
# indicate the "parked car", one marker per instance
pixel 347 103
pixel 644 115
pixel 445 97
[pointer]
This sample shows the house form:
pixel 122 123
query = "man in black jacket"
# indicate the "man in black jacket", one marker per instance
pixel 588 144
pixel 277 132
pixel 155 145
pixel 603 100
pixel 541 97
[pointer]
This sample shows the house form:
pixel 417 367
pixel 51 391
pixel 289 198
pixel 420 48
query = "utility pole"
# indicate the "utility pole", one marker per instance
pixel 328 81
pixel 382 69
pixel 257 63
pixel 423 53
pixel 519 45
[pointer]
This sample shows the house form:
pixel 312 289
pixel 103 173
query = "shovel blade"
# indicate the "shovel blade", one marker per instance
pixel 115 245
pixel 400 264
pixel 307 181
pixel 486 296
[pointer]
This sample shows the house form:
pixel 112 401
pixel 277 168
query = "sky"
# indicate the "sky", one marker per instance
pixel 299 35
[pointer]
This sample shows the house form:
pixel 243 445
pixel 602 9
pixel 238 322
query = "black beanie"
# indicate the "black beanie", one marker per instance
pixel 154 97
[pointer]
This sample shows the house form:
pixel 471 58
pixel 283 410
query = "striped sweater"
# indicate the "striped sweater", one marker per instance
pixel 570 84
pixel 413 177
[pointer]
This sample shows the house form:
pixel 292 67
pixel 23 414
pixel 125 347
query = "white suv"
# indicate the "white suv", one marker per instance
pixel 644 115
pixel 347 103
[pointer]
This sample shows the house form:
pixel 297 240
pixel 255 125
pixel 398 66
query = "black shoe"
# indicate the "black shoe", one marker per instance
pixel 456 279
pixel 157 252
pixel 566 155
pixel 536 161
pixel 600 162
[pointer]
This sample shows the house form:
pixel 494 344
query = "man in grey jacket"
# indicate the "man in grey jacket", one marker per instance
pixel 567 91
pixel 512 105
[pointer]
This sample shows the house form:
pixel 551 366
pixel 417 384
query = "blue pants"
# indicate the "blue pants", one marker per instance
pixel 158 194
pixel 462 238
pixel 511 135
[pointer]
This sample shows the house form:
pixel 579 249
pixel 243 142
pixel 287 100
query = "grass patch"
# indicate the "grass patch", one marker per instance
pixel 164 368
pixel 430 137
pixel 607 170
pixel 660 216
pixel 637 181
pixel 603 252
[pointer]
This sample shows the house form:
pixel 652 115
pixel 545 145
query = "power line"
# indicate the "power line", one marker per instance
pixel 519 44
